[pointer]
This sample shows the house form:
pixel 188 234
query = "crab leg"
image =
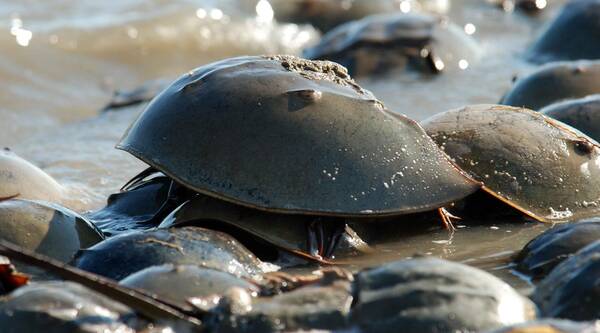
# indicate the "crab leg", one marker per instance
pixel 315 238
pixel 322 243
pixel 336 235
pixel 447 219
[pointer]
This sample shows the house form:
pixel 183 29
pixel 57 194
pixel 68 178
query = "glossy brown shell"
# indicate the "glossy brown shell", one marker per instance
pixel 291 135
pixel 546 169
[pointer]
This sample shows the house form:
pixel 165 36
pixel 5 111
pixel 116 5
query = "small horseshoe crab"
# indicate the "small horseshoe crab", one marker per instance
pixel 572 35
pixel 22 179
pixel 540 166
pixel 119 256
pixel 46 228
pixel 332 150
pixel 582 113
pixel 166 280
pixel 571 290
pixel 59 307
pixel 433 295
pixel 379 43
pixel 543 253
pixel 555 82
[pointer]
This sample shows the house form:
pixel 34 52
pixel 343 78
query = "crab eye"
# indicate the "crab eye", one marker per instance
pixel 309 95
pixel 583 147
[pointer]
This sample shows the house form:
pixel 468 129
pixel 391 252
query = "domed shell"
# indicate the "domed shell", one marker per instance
pixel 553 83
pixel 178 283
pixel 434 295
pixel 46 228
pixel 571 290
pixel 291 135
pixel 27 181
pixel 58 306
pixel 540 166
pixel 582 113
pixel 379 43
pixel 572 35
pixel 543 253
pixel 124 254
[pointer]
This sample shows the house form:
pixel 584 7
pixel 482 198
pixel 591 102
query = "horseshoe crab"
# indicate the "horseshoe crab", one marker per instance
pixel 572 35
pixel 124 254
pixel 327 14
pixel 540 166
pixel 378 43
pixel 23 179
pixel 583 114
pixel 338 152
pixel 46 228
pixel 555 82
pixel 434 295
pixel 286 232
pixel 553 246
pixel 61 307
pixel 167 280
pixel 314 307
pixel 571 290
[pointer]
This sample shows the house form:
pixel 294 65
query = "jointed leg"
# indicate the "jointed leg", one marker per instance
pixel 447 218
pixel 323 237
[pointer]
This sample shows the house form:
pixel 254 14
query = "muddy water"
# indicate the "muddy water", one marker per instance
pixel 62 59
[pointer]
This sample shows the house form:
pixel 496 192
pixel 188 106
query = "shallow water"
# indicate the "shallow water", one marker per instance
pixel 63 59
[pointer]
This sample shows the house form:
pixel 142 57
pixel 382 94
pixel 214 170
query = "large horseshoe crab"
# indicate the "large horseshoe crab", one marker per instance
pixel 538 165
pixel 379 43
pixel 292 136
